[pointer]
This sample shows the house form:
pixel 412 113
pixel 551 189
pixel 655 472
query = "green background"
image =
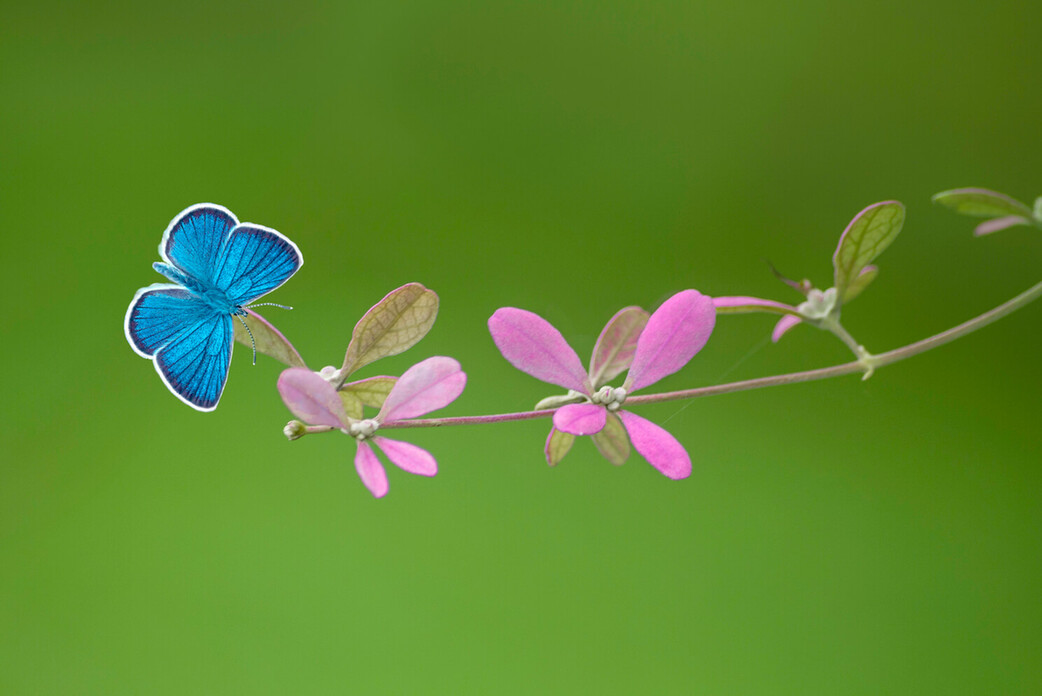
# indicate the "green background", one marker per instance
pixel 838 537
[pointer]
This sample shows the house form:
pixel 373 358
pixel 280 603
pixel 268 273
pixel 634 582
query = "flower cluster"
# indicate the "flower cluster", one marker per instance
pixel 325 400
pixel 424 387
pixel 649 347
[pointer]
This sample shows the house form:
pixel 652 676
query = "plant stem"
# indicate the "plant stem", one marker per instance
pixel 874 361
pixel 832 325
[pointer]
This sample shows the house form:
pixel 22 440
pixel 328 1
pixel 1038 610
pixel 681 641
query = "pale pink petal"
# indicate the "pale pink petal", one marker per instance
pixel 407 456
pixel 783 325
pixel 613 352
pixel 532 345
pixel 370 470
pixel 311 398
pixel 425 387
pixel 675 332
pixel 1000 224
pixel 744 305
pixel 580 419
pixel 657 446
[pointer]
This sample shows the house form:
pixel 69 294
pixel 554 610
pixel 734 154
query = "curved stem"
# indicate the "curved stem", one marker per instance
pixel 874 361
pixel 468 420
pixel 831 324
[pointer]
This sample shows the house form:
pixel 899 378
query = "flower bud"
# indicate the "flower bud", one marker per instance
pixel 294 430
pixel 819 304
pixel 363 429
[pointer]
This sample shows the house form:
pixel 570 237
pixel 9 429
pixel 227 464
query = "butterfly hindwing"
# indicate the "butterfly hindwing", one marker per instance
pixel 194 240
pixel 195 363
pixel 254 261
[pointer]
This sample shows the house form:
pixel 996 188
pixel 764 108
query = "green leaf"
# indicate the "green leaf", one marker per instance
pixel 352 404
pixel 393 325
pixel 557 445
pixel 612 441
pixel 616 345
pixel 980 202
pixel 269 340
pixel 864 278
pixel 371 391
pixel 868 234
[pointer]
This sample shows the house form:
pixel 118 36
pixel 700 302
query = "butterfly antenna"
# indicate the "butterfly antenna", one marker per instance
pixel 269 304
pixel 252 342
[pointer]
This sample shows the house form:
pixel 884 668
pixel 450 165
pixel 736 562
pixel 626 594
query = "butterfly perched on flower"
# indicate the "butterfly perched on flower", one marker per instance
pixel 218 267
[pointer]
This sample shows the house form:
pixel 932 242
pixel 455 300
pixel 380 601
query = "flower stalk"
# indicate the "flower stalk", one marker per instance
pixel 647 347
pixel 873 361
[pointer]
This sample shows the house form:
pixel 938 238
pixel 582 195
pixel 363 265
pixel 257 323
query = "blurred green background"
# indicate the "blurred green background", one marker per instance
pixel 570 158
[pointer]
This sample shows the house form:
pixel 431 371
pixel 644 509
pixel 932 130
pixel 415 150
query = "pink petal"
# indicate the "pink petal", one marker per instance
pixel 580 419
pixel 657 446
pixel 616 344
pixel 311 398
pixel 674 334
pixel 1000 224
pixel 783 325
pixel 743 305
pixel 532 345
pixel 370 470
pixel 425 387
pixel 407 456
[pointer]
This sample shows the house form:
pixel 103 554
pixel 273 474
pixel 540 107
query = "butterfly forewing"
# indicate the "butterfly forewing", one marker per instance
pixel 194 240
pixel 254 261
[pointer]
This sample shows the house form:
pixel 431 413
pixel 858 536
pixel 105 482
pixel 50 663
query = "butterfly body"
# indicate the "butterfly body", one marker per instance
pixel 218 267
pixel 205 292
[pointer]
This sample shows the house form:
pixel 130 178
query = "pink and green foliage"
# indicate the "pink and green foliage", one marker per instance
pixel 870 232
pixel 267 340
pixel 426 386
pixel 1003 211
pixel 326 400
pixel 651 348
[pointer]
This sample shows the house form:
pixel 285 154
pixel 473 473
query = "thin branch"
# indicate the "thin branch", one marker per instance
pixel 874 361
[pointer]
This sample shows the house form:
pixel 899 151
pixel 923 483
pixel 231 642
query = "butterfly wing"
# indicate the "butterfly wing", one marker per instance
pixel 190 342
pixel 195 364
pixel 254 261
pixel 157 314
pixel 194 239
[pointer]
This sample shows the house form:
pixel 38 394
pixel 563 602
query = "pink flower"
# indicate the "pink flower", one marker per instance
pixel 425 387
pixel 672 336
pixel 819 305
pixel 868 234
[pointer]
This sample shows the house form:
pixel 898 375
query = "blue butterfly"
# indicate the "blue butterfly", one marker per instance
pixel 218 266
